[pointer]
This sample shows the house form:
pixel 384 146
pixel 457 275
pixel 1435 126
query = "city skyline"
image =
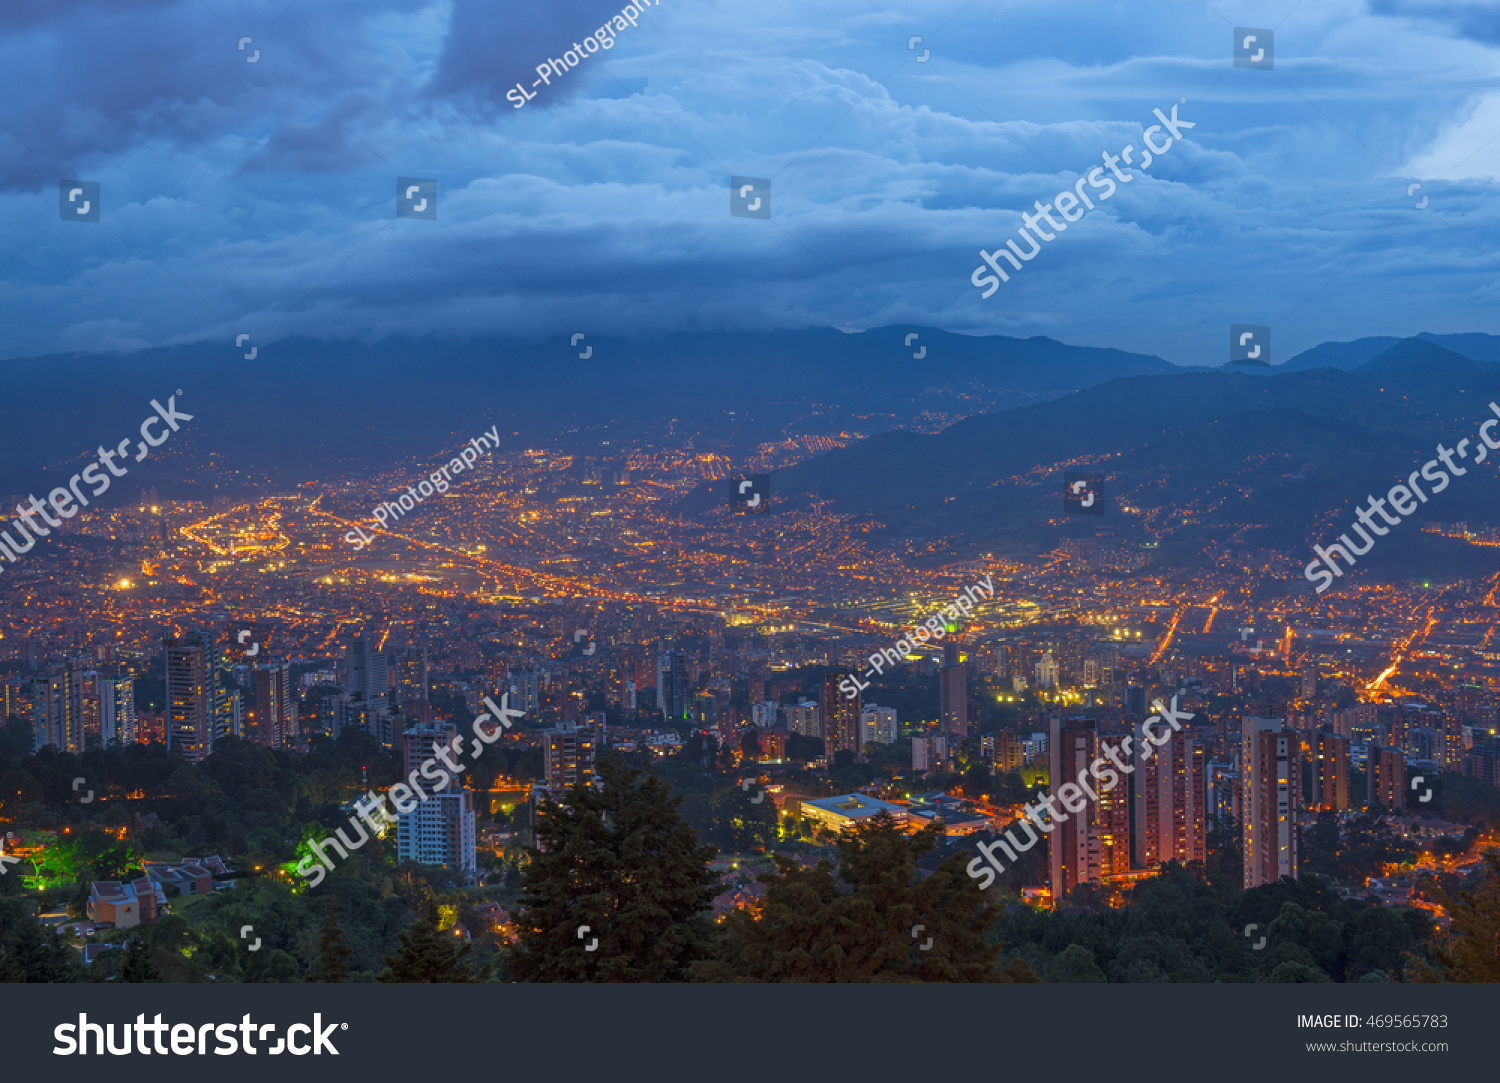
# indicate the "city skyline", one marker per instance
pixel 635 491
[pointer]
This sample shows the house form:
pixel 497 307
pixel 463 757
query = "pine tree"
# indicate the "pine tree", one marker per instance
pixel 426 955
pixel 621 861
pixel 1470 950
pixel 878 921
pixel 136 966
pixel 37 954
pixel 333 953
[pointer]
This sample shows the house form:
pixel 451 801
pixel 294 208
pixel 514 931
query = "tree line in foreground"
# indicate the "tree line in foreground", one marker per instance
pixel 619 888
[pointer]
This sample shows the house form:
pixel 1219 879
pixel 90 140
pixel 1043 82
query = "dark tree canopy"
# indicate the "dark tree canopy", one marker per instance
pixel 426 954
pixel 621 861
pixel 877 920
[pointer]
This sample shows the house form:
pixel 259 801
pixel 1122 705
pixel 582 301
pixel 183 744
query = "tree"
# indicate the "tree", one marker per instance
pixel 616 864
pixel 742 823
pixel 333 952
pixel 1225 864
pixel 103 855
pixel 1291 971
pixel 1089 896
pixel 30 953
pixel 878 921
pixel 1157 958
pixel 1313 930
pixel 1074 964
pixel 1320 845
pixel 221 954
pixel 274 967
pixel 1470 950
pixel 173 951
pixel 426 955
pixel 978 781
pixel 1377 940
pixel 137 965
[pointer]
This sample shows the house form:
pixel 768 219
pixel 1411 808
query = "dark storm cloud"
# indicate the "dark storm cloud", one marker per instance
pixel 86 82
pixel 261 197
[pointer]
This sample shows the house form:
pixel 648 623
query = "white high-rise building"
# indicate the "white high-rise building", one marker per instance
pixel 369 674
pixel 439 830
pixel 929 753
pixel 877 725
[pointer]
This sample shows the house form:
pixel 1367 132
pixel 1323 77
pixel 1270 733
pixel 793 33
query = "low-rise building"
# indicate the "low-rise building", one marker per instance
pixel 843 812
pixel 957 820
pixel 194 876
pixel 122 904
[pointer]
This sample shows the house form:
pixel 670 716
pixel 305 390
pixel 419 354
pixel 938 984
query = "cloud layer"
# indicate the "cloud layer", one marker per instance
pixel 259 195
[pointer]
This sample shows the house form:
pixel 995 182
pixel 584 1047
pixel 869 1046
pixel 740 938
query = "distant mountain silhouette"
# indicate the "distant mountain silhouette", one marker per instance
pixel 1251 461
pixel 1339 355
pixel 1351 355
pixel 301 407
pixel 1421 358
pixel 1252 457
pixel 1478 347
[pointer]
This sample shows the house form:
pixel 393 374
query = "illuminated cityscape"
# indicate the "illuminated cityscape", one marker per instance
pixel 616 621
pixel 460 525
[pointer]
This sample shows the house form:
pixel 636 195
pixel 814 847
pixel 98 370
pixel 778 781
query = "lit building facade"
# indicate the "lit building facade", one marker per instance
pixel 117 710
pixel 1385 777
pixel 929 753
pixel 1330 771
pixel 439 830
pixel 189 697
pixel 1270 776
pixel 570 752
pixel 369 673
pixel 877 725
pixel 1169 799
pixel 953 692
pixel 839 715
pixel 1074 853
pixel 274 725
